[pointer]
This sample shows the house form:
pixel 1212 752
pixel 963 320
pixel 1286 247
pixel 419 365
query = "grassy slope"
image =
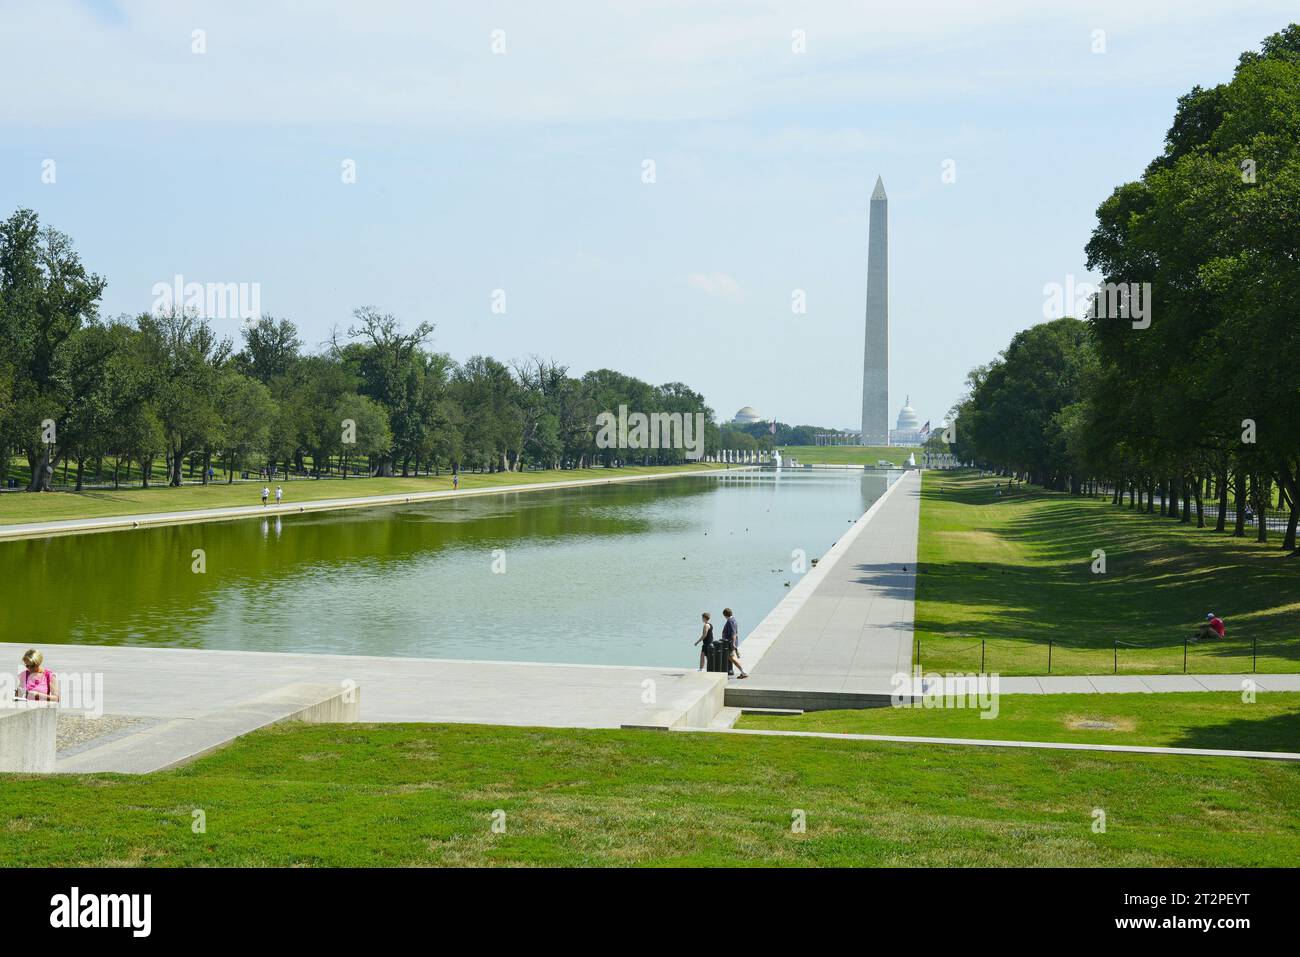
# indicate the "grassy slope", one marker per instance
pixel 847 454
pixel 419 794
pixel 19 507
pixel 1016 571
pixel 1192 720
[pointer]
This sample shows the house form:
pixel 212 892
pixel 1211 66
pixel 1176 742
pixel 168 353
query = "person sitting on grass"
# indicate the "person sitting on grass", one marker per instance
pixel 36 683
pixel 1212 627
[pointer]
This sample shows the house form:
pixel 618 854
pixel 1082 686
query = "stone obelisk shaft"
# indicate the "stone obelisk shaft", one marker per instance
pixel 875 359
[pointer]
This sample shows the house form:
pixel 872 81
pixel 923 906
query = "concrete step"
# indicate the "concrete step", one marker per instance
pixel 725 718
pixel 771 710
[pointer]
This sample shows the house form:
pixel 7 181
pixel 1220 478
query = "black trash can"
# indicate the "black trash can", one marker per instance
pixel 714 659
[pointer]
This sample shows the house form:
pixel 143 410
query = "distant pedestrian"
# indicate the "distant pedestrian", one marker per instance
pixel 455 481
pixel 731 644
pixel 266 493
pixel 279 494
pixel 35 682
pixel 705 641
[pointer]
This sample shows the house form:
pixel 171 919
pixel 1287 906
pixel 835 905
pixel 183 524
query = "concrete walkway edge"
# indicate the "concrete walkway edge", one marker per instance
pixel 995 743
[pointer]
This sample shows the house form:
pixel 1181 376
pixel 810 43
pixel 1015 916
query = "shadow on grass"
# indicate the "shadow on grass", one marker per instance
pixel 1279 732
pixel 1160 579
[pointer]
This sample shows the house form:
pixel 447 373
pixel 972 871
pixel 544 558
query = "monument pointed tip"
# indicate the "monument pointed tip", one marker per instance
pixel 879 191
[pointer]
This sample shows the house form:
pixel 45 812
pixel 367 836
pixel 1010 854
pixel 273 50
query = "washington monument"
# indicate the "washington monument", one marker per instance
pixel 875 358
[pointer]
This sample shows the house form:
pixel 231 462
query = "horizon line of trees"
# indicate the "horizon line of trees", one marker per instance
pixel 78 389
pixel 1200 402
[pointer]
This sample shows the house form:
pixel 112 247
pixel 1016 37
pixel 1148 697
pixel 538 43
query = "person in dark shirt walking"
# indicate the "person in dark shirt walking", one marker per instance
pixel 731 644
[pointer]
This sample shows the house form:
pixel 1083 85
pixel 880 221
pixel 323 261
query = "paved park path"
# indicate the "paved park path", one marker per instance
pixel 847 629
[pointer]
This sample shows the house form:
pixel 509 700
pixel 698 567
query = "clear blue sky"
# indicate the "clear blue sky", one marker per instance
pixel 522 170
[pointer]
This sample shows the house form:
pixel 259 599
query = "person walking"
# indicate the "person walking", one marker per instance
pixel 266 493
pixel 279 494
pixel 731 644
pixel 455 481
pixel 705 641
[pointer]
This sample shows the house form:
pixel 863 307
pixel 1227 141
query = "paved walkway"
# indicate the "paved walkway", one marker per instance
pixel 111 523
pixel 181 683
pixel 846 629
pixel 1124 684
pixel 1043 745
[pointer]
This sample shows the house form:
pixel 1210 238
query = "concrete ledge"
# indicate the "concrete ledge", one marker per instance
pixel 696 713
pixel 27 738
pixel 790 700
pixel 182 740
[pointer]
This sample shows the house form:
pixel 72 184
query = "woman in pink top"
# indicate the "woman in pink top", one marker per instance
pixel 36 683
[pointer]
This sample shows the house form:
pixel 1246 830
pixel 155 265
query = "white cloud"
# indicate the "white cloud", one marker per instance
pixel 716 284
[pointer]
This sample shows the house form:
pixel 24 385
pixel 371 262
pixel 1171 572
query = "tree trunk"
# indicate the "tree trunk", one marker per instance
pixel 1200 502
pixel 1221 486
pixel 1261 489
pixel 1239 499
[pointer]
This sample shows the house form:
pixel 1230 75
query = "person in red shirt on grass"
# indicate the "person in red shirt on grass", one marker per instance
pixel 1212 628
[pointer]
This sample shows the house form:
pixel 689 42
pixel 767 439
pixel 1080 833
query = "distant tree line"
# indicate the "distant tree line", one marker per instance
pixel 1198 402
pixel 165 386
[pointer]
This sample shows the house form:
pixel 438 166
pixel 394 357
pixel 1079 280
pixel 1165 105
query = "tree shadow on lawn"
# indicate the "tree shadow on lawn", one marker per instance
pixel 1077 610
pixel 1279 732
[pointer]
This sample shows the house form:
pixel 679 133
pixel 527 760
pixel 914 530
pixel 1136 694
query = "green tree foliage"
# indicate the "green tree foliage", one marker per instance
pixel 1202 401
pixel 169 385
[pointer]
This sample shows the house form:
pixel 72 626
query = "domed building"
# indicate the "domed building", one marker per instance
pixel 909 427
pixel 747 416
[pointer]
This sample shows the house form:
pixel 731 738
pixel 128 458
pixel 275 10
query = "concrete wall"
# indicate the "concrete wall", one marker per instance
pixel 27 736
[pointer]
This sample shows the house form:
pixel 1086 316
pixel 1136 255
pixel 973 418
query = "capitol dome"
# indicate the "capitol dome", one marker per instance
pixel 747 416
pixel 908 420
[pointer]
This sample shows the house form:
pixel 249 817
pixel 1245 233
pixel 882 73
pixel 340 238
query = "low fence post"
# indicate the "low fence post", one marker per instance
pixel 1116 671
pixel 1049 656
pixel 1254 654
pixel 1184 654
pixel 981 656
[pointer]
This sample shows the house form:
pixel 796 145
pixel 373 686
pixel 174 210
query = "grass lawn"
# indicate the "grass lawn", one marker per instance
pixel 1016 571
pixel 1191 720
pixel 20 507
pixel 847 454
pixel 425 795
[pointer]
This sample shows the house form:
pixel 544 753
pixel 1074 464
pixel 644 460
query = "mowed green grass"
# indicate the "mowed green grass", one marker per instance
pixel 847 454
pixel 1182 720
pixel 20 507
pixel 426 795
pixel 1016 571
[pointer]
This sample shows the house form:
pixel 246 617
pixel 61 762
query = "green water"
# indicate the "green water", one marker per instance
pixel 614 574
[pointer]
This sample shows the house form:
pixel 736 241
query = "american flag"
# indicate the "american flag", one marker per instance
pixel 772 428
pixel 925 429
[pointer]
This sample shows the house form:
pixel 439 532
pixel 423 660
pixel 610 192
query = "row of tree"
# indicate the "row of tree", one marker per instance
pixel 167 387
pixel 1196 399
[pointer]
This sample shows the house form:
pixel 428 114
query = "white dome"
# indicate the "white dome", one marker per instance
pixel 747 415
pixel 908 420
